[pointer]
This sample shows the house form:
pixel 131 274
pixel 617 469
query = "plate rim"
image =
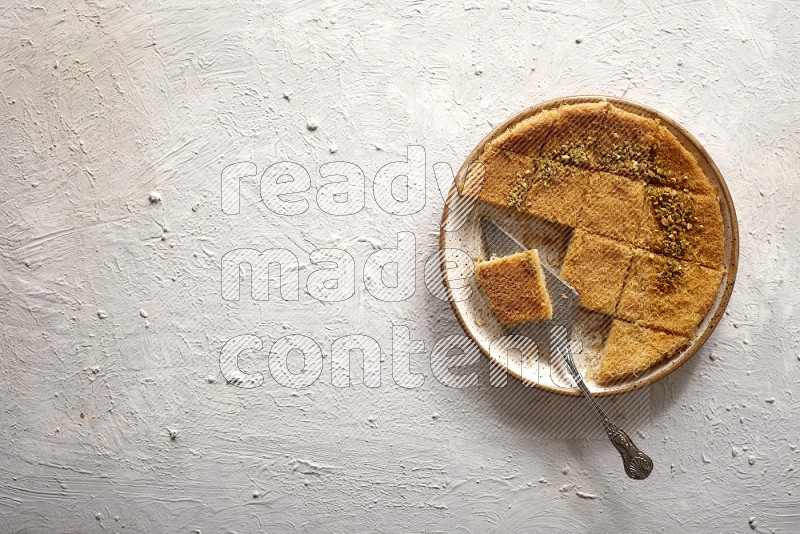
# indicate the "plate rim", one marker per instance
pixel 725 196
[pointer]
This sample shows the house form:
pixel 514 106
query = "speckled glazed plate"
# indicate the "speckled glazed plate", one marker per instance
pixel 460 242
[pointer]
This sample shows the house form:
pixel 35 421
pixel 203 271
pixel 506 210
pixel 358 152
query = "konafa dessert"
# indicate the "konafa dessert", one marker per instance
pixel 632 348
pixel 644 224
pixel 515 287
pixel 615 209
pixel 668 294
pixel 596 268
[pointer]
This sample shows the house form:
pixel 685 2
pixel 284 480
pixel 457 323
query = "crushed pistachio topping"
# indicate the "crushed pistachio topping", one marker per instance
pixel 627 157
pixel 523 183
pixel 547 171
pixel 675 218
pixel 544 172
pixel 660 176
pixel 574 153
pixel 669 276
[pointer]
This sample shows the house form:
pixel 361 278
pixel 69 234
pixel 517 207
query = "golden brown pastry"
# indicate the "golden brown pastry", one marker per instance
pixel 614 207
pixel 573 134
pixel 648 237
pixel 527 136
pixel 631 350
pixel 596 268
pixel 599 136
pixel 684 225
pixel 667 294
pixel 626 143
pixel 516 288
pixel 675 167
pixel 555 192
pixel 496 174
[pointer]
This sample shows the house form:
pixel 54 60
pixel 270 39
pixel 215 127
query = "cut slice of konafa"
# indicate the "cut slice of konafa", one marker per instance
pixel 515 288
pixel 667 294
pixel 625 143
pixel 632 350
pixel 600 136
pixel 527 136
pixel 496 176
pixel 684 225
pixel 596 267
pixel 573 134
pixel 556 192
pixel 674 166
pixel 614 207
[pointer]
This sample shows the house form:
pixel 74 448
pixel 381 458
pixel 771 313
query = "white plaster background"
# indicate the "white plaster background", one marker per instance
pixel 103 101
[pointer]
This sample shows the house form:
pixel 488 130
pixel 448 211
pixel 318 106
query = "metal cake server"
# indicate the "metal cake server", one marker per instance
pixel 565 305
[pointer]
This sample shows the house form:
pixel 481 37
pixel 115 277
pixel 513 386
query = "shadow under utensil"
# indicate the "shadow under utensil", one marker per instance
pixel 528 415
pixel 532 413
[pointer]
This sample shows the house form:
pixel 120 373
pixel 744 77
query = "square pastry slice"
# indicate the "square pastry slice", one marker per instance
pixel 626 143
pixel 667 294
pixel 614 207
pixel 498 176
pixel 516 288
pixel 555 192
pixel 574 132
pixel 632 350
pixel 596 267
pixel 684 225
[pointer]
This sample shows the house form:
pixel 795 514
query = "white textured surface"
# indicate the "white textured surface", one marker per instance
pixel 103 103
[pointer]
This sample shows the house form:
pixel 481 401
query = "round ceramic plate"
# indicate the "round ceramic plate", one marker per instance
pixel 460 242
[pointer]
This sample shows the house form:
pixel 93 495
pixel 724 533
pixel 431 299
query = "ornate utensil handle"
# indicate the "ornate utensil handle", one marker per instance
pixel 638 465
